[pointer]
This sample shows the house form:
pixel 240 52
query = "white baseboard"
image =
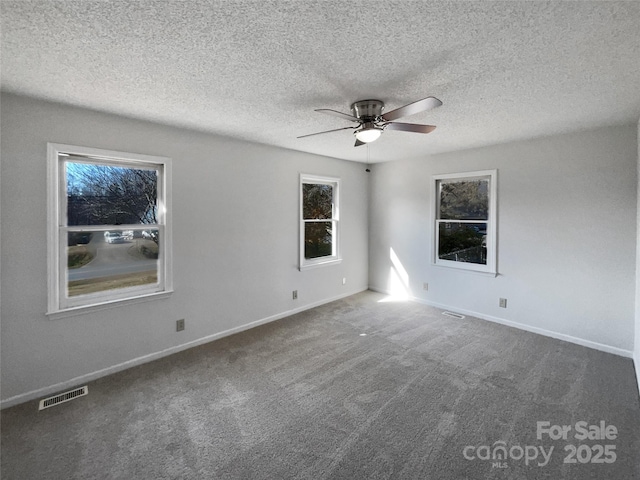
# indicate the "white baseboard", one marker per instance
pixel 636 364
pixel 540 331
pixel 82 379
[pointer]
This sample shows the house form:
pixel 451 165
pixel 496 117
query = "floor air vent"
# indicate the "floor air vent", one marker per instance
pixel 63 397
pixel 454 315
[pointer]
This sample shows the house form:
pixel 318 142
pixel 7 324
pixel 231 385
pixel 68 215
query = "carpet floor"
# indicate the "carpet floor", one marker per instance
pixel 360 388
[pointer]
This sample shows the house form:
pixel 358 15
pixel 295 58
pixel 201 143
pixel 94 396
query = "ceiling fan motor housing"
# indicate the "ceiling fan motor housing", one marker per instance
pixel 367 110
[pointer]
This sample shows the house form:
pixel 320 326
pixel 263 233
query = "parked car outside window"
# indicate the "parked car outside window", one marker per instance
pixel 113 237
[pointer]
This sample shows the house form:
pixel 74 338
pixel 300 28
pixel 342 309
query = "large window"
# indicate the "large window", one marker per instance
pixel 109 235
pixel 319 217
pixel 465 226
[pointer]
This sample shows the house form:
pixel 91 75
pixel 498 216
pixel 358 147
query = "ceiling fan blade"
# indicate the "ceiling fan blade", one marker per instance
pixel 410 127
pixel 335 113
pixel 358 143
pixel 327 131
pixel 413 108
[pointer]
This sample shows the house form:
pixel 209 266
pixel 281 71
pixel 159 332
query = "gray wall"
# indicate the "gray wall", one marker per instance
pixel 235 245
pixel 566 235
pixel 637 336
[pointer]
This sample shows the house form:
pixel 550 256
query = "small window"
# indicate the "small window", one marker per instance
pixel 319 220
pixel 109 226
pixel 465 230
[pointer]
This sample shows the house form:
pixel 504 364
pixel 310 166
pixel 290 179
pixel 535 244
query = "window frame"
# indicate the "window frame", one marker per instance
pixel 335 257
pixel 491 236
pixel 58 300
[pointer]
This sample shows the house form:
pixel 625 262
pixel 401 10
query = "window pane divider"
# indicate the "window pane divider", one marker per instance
pixel 100 228
pixel 448 220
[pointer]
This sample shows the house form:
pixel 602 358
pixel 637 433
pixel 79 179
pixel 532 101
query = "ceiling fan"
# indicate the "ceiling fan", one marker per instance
pixel 372 122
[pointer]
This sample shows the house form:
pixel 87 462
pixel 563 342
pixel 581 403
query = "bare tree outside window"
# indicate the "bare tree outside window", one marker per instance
pixel 110 195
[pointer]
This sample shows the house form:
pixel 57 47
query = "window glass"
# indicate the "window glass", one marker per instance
pixel 317 201
pixel 464 200
pixel 463 242
pixel 318 239
pixel 110 195
pixel 111 259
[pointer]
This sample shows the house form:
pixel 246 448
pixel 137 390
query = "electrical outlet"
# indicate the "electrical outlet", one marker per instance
pixel 295 294
pixel 425 286
pixel 503 303
pixel 180 325
pixel 344 280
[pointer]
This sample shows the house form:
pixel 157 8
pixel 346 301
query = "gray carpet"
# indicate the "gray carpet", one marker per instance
pixel 311 397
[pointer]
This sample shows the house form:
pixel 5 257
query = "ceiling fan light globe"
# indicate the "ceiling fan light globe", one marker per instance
pixel 368 135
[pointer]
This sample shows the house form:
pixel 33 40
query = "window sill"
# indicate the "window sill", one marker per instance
pixel 96 307
pixel 324 263
pixel 471 271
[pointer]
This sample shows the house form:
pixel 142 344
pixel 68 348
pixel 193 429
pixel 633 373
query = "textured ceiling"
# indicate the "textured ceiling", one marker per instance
pixel 256 70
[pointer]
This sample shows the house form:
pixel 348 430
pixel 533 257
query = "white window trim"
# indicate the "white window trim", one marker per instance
pixel 306 264
pixel 56 188
pixel 491 267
